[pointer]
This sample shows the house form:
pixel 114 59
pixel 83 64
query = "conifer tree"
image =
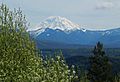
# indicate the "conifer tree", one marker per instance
pixel 100 67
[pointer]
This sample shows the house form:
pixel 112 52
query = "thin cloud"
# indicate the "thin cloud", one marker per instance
pixel 104 5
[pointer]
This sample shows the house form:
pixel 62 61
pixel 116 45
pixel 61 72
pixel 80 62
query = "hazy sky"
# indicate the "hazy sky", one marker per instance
pixel 92 14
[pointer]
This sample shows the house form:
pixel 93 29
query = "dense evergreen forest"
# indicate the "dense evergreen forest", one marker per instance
pixel 21 61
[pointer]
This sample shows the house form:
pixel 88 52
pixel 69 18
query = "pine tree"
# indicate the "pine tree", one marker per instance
pixel 100 67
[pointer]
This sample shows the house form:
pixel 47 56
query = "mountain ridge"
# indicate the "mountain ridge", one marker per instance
pixel 61 30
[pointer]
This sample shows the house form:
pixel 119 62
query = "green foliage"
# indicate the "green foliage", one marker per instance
pixel 55 70
pixel 100 67
pixel 117 78
pixel 17 51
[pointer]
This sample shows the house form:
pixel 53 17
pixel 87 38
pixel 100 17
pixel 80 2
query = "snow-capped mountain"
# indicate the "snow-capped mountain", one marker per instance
pixel 59 30
pixel 57 22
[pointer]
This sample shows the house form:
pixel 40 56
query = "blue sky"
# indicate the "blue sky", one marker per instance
pixel 91 14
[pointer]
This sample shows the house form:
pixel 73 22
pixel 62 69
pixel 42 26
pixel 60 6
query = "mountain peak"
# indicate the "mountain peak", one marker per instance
pixel 57 22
